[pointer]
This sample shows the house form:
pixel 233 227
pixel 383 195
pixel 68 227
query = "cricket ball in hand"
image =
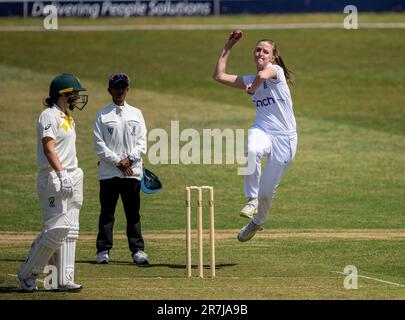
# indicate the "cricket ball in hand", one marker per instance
pixel 237 34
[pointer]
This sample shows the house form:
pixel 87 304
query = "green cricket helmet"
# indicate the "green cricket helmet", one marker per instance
pixel 68 85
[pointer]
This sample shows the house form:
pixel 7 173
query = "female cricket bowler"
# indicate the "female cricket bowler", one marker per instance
pixel 59 187
pixel 274 132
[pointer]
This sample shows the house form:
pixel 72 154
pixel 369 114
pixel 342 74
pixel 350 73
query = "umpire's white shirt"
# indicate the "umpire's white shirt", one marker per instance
pixel 119 132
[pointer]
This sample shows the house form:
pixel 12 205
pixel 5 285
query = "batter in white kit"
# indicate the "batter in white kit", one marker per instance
pixel 59 188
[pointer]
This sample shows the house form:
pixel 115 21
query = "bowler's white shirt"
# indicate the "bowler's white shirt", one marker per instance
pixel 274 107
pixel 119 132
pixel 54 123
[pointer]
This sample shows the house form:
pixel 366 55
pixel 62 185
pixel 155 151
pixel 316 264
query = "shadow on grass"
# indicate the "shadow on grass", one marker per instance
pixel 152 265
pixel 14 289
pixel 12 260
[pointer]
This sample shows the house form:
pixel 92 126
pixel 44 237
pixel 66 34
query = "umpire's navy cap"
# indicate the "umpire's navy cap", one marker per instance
pixel 117 78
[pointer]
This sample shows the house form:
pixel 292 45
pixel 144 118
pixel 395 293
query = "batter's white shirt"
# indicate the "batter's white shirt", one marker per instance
pixel 119 132
pixel 274 107
pixel 54 123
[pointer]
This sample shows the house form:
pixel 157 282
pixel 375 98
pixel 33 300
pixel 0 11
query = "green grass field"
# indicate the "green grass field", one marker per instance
pixel 341 202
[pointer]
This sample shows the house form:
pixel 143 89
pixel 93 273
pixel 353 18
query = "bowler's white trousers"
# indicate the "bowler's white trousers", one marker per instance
pixel 280 149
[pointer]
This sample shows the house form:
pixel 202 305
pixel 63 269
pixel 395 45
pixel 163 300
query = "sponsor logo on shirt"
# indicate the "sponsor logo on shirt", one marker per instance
pixel 110 130
pixel 264 102
pixel 47 126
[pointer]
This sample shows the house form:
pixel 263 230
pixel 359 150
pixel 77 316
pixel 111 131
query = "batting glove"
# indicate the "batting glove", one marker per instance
pixel 66 183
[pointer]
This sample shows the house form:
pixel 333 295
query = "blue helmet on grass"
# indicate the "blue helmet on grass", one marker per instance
pixel 150 183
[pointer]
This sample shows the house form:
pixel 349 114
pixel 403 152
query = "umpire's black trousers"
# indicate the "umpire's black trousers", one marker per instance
pixel 110 190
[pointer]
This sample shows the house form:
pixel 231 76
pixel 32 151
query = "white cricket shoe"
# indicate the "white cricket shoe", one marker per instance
pixel 249 209
pixel 102 257
pixel 248 231
pixel 28 284
pixel 70 287
pixel 140 258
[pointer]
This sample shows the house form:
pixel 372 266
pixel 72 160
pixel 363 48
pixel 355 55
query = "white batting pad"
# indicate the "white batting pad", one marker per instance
pixel 41 250
pixel 65 256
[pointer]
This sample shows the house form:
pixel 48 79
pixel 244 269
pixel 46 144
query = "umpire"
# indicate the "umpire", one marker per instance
pixel 120 141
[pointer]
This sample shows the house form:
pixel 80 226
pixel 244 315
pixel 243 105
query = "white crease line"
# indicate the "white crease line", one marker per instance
pixel 205 287
pixel 375 279
pixel 140 278
pixel 253 278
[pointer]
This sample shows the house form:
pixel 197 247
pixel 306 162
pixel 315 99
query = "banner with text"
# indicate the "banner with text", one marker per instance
pixel 130 8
